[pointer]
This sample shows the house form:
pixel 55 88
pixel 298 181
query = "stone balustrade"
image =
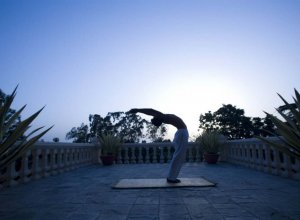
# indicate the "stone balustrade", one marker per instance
pixel 47 159
pixel 154 153
pixel 258 155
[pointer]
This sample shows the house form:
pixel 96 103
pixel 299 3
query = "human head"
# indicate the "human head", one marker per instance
pixel 157 121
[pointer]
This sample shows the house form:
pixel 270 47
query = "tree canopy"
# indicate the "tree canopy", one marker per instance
pixel 10 112
pixel 232 122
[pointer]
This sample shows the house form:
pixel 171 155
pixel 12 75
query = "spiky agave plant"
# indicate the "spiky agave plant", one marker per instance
pixel 14 143
pixel 288 130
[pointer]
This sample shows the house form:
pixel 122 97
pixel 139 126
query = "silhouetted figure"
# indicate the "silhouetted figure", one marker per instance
pixel 180 138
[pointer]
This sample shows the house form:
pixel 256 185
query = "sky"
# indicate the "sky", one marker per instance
pixel 184 57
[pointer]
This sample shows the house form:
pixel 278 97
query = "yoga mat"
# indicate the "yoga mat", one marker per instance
pixel 161 183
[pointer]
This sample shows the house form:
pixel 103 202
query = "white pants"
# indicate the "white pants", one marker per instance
pixel 180 141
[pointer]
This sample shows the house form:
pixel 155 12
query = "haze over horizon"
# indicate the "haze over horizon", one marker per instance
pixel 182 57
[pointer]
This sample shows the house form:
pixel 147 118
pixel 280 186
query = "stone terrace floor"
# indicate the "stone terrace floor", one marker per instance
pixel 86 194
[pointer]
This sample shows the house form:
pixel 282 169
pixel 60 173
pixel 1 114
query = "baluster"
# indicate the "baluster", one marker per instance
pixel 132 158
pixel 53 162
pixel 198 155
pixel 147 158
pixel 169 155
pixel 59 161
pixel 250 158
pixel 83 156
pixel 67 159
pixel 287 166
pixel 119 156
pixel 45 166
pixel 260 157
pixel 64 158
pixel 140 156
pixel 161 154
pixel 135 155
pixel 296 167
pixel 190 154
pixel 268 160
pixel 4 177
pixel 77 158
pixel 94 158
pixel 277 162
pixel 254 156
pixel 24 172
pixel 126 161
pixel 11 174
pixel 72 159
pixel 155 153
pixel 158 152
pixel 35 164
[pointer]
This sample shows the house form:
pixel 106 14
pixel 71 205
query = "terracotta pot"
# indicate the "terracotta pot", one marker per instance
pixel 107 159
pixel 211 158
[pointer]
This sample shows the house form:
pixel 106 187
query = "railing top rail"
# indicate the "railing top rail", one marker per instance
pixel 251 140
pixel 159 144
pixel 52 145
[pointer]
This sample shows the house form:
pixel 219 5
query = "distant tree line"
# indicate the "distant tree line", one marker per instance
pixel 232 123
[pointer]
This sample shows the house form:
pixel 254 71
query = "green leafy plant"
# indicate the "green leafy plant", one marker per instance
pixel 288 130
pixel 211 141
pixel 110 144
pixel 13 141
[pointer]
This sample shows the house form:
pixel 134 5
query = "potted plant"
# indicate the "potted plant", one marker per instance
pixel 210 142
pixel 109 145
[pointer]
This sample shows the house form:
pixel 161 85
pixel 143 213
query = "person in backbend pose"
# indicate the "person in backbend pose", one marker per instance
pixel 180 138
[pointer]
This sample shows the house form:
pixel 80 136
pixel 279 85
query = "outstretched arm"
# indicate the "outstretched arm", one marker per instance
pixel 147 111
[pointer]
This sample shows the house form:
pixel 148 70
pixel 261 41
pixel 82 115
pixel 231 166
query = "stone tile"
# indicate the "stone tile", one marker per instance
pixel 111 217
pixel 209 217
pixel 259 210
pixel 176 209
pixel 170 200
pixel 85 216
pixel 241 218
pixel 121 199
pixel 219 199
pixel 201 210
pixel 149 193
pixel 143 217
pixel 147 210
pixel 169 194
pixel 195 201
pixel 174 217
pixel 243 199
pixel 226 206
pixel 147 200
pixel 235 213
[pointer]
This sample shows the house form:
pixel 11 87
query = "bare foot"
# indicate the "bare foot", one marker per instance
pixel 173 181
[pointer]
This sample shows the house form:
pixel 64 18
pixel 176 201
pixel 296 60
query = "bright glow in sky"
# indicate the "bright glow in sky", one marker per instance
pixel 183 57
